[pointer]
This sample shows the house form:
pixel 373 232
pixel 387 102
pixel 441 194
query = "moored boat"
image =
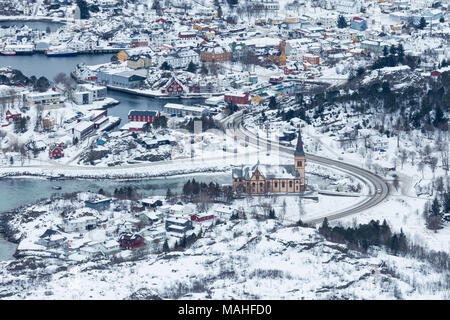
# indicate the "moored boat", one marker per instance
pixel 60 52
pixel 8 53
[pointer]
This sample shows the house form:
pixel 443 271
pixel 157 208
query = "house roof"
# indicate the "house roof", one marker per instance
pixel 142 113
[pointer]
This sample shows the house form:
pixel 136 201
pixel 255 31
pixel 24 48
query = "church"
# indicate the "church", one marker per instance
pixel 262 178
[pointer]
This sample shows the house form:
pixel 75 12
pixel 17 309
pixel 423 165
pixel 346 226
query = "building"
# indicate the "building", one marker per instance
pixel 131 241
pixel 178 225
pixel 173 87
pixel 98 92
pixel 135 126
pixel 82 97
pixel 182 110
pixel 12 116
pixel 142 115
pixel 138 62
pixel 358 24
pixel 98 204
pixel 51 239
pixel 262 179
pixel 216 54
pixel 199 217
pixel 49 97
pixel 312 59
pixel 83 129
pixel 79 224
pixel 372 46
pixel 55 152
pixel 124 79
pixel 237 98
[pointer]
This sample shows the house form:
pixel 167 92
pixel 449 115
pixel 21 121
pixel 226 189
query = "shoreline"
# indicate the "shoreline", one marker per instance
pixel 136 177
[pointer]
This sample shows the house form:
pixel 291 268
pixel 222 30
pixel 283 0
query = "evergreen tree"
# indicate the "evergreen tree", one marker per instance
pixel 169 194
pixel 400 52
pixel 342 23
pixel 166 246
pixel 385 51
pixel 183 242
pixel 273 103
pixel 84 10
pixel 422 23
pixel 435 208
pixel 272 214
pixel 166 66
pixel 192 67
pixel 42 84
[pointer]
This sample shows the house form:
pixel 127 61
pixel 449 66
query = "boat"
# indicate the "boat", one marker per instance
pixel 276 80
pixel 56 187
pixel 20 49
pixel 8 53
pixel 61 52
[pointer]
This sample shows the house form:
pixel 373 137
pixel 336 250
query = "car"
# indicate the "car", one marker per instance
pixel 378 190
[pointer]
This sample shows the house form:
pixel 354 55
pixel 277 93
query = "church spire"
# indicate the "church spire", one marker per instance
pixel 299 149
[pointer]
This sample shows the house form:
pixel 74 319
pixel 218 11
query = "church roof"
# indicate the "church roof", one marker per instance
pixel 299 149
pixel 268 171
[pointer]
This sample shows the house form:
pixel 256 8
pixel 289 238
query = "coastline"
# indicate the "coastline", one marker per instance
pixel 111 176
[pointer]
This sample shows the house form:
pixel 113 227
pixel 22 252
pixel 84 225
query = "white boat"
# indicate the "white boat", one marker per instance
pixel 8 52
pixel 61 52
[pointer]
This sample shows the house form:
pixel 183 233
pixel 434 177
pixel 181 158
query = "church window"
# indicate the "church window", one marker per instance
pixel 276 184
pixel 283 184
pixel 290 184
pixel 299 163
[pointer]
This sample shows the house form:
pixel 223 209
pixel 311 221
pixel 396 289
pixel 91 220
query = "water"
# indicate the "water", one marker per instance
pixel 15 192
pixel 7 250
pixel 39 64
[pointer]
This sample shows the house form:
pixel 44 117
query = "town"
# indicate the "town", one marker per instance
pixel 169 135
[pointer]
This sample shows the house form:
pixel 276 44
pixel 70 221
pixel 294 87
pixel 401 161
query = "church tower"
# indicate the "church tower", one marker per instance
pixel 299 158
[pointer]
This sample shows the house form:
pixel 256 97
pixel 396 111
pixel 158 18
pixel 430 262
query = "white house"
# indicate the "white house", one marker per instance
pixel 79 224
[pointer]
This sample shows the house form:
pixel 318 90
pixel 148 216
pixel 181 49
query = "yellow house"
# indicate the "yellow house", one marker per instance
pixel 290 20
pixel 257 99
pixel 282 59
pixel 122 56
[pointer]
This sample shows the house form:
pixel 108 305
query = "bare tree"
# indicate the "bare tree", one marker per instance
pixel 433 164
pixel 412 155
pixel 403 156
pixel 421 166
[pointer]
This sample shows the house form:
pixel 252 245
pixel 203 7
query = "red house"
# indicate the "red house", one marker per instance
pixel 130 241
pixel 12 116
pixel 201 217
pixel 237 98
pixel 174 88
pixel 143 115
pixel 435 73
pixel 55 152
pixel 187 35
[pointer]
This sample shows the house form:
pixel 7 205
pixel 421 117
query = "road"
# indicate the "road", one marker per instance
pixel 379 189
pixel 235 129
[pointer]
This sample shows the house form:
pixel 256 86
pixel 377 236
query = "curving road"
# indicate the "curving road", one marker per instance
pixel 379 189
